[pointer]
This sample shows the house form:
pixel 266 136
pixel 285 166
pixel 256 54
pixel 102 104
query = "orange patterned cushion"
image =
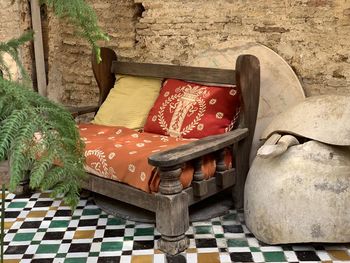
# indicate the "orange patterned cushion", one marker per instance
pixel 190 110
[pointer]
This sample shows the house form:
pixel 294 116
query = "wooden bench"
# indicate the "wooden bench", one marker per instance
pixel 171 203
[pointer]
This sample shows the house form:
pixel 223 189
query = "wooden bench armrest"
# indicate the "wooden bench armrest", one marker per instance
pixel 195 149
pixel 77 111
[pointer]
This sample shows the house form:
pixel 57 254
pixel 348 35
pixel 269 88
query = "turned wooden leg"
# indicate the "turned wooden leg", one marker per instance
pixel 172 217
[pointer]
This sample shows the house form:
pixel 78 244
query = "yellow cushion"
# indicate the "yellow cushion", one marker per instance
pixel 129 102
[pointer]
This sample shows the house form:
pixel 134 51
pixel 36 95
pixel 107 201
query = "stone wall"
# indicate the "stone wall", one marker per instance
pixel 70 77
pixel 312 35
pixel 14 20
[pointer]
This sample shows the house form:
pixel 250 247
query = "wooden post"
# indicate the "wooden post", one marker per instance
pixel 38 48
pixel 248 80
pixel 172 218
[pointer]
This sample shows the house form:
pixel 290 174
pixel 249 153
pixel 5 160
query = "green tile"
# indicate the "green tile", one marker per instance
pixel 61 255
pixel 35 242
pixel 42 230
pixel 111 246
pixel 75 217
pixel 129 226
pixel 148 231
pixel 75 260
pixel 215 223
pixel 90 212
pixel 276 256
pixel 103 216
pixel 17 204
pixel 219 236
pixel 231 216
pixel 237 243
pixel 94 254
pixel 203 229
pixel 254 249
pixel 47 249
pixel 115 221
pixel 59 223
pixel 23 237
pixel 126 238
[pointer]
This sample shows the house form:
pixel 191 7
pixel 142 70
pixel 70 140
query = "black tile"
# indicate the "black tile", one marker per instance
pixel 233 229
pixel 16 249
pixel 101 227
pixel 12 231
pixel 108 260
pixel 27 209
pixel 49 218
pixel 114 233
pixel 97 240
pixel 42 260
pixel 12 214
pixel 143 244
pixel 43 203
pixel 222 249
pixel 307 255
pixel 63 213
pixel 241 257
pixel 249 235
pixel 71 229
pixel 31 224
pixel 176 259
pixel 88 222
pixel 127 252
pixel 27 256
pixel 33 199
pixel 53 235
pixel 206 242
pixel 79 248
pixel 66 241
pixel 287 247
pixel 191 236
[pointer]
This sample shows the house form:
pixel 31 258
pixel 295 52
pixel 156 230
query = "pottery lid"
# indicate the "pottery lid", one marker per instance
pixel 322 118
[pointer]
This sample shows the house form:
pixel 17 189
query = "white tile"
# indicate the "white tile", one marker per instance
pixel 323 255
pixel 258 257
pixel 238 249
pixel 225 258
pixel 125 259
pixel 159 258
pixel 291 256
pixel 191 257
pixel 271 248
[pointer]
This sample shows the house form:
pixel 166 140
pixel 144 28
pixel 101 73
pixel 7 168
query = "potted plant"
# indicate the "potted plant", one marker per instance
pixel 38 137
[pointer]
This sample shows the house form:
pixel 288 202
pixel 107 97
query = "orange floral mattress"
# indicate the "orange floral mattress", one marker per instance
pixel 121 154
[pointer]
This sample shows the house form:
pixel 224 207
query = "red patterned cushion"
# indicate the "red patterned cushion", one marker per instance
pixel 191 110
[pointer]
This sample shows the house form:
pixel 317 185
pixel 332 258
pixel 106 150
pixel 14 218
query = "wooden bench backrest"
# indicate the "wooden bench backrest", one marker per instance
pixel 246 76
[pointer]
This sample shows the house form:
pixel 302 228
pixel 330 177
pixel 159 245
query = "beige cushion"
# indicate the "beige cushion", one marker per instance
pixel 129 102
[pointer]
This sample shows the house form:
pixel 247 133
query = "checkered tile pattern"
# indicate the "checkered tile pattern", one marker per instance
pixel 41 229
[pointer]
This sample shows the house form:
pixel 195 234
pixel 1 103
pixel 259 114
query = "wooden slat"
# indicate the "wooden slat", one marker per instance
pixel 121 192
pixel 38 48
pixel 190 151
pixel 77 111
pixel 102 72
pixel 211 75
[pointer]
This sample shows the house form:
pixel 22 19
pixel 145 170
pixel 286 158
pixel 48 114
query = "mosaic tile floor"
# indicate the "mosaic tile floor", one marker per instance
pixel 40 229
